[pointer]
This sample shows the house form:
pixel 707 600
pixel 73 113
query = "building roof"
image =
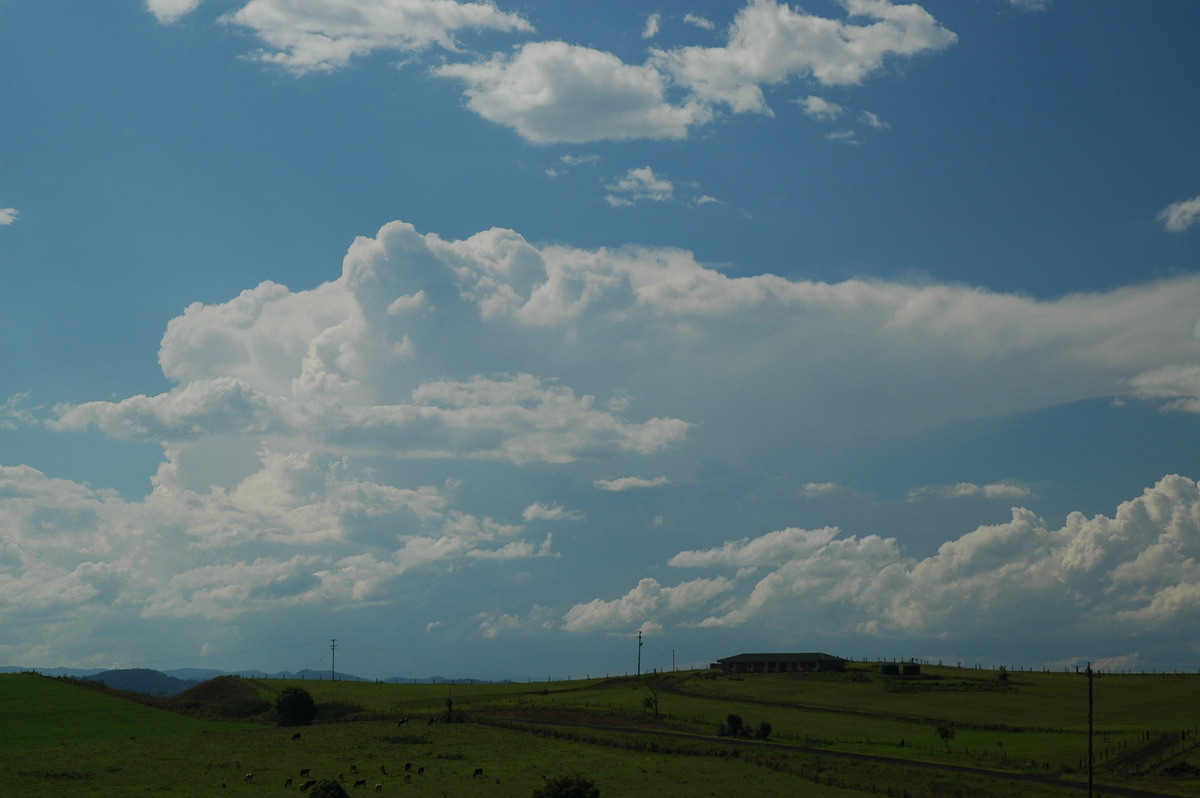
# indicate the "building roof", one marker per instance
pixel 792 657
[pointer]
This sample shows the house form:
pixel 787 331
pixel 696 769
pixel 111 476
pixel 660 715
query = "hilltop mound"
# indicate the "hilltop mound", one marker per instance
pixel 223 697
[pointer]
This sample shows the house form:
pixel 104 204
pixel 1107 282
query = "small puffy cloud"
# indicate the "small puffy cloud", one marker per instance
pixel 539 619
pixel 699 21
pixel 643 604
pixel 630 483
pixel 1179 216
pixel 786 544
pixel 167 11
pixel 550 512
pixel 327 34
pixel 770 43
pixel 872 120
pixel 816 490
pixel 1031 5
pixel 652 25
pixel 579 160
pixel 8 216
pixel 638 185
pixel 13 415
pixel 961 490
pixel 558 92
pixel 819 108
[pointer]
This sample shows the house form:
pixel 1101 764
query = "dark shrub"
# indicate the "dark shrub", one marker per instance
pixel 327 788
pixel 763 731
pixel 567 787
pixel 295 707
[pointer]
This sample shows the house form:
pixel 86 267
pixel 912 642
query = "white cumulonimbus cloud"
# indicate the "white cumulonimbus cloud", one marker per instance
pixel 295 437
pixel 1136 571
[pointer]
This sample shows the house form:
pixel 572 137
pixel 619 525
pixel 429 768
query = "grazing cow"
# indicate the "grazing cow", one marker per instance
pixel 304 772
pixel 354 768
pixel 478 774
pixel 360 782
pixel 432 721
pixel 288 783
pixel 341 776
pixel 402 722
pixel 407 766
pixel 308 785
pixel 296 736
pixel 249 777
pixel 407 779
pixel 421 771
pixel 378 787
pixel 383 769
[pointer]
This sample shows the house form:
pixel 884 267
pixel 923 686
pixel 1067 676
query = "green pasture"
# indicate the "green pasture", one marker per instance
pixel 36 712
pixel 69 740
pixel 215 763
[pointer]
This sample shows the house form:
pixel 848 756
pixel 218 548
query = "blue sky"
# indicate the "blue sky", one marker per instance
pixel 482 336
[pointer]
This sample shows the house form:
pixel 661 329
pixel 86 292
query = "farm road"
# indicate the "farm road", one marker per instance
pixel 1035 778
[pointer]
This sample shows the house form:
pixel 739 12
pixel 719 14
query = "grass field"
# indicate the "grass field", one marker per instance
pixel 58 738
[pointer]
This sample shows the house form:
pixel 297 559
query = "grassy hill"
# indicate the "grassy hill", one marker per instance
pixel 950 732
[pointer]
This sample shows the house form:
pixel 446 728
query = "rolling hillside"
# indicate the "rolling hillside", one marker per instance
pixel 949 732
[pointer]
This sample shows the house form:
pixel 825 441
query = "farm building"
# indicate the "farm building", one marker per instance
pixel 780 663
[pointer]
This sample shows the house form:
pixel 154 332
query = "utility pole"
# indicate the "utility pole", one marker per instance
pixel 639 670
pixel 1090 728
pixel 332 659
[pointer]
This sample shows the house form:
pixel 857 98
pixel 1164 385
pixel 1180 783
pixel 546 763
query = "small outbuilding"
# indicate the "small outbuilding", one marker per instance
pixel 780 663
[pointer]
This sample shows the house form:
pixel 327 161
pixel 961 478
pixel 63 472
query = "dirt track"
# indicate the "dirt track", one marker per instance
pixel 1035 778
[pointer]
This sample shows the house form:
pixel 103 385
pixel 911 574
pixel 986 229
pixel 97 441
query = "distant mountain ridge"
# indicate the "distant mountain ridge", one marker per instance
pixel 165 684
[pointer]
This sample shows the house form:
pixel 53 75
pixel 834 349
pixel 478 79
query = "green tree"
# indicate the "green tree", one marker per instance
pixel 735 725
pixel 946 732
pixel 763 731
pixel 295 707
pixel 651 701
pixel 567 787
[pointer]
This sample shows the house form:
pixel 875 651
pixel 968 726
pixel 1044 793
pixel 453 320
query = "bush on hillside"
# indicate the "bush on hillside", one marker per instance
pixel 295 707
pixel 328 788
pixel 567 787
pixel 226 697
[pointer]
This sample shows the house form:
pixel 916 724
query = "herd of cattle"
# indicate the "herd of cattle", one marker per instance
pixel 308 782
